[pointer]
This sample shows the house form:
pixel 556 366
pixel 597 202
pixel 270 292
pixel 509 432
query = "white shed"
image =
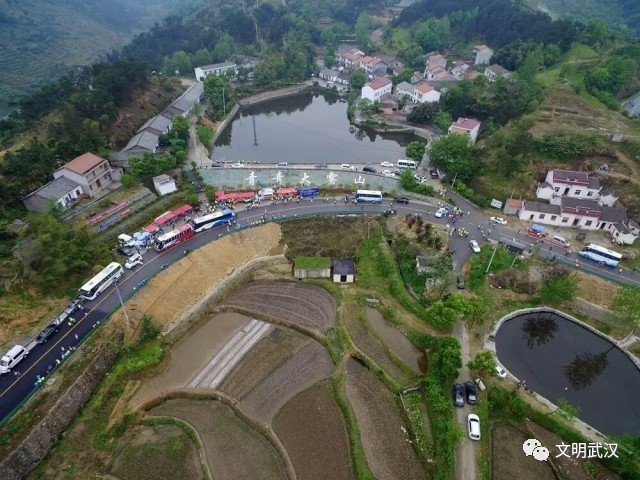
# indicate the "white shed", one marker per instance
pixel 164 184
pixel 344 271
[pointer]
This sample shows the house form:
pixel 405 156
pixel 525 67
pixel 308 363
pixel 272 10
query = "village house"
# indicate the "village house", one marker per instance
pixel 405 88
pixel 566 183
pixel 481 54
pixel 164 184
pixel 61 191
pixel 392 62
pixel 372 91
pixel 459 69
pixel 328 75
pixel 91 172
pixel 495 71
pixel 466 126
pixel 348 55
pixel 344 271
pixel 372 65
pixel 424 93
pixel 215 69
pixel 582 214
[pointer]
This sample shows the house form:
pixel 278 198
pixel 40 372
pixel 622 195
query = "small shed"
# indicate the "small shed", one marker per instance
pixel 512 206
pixel 344 271
pixel 312 267
pixel 164 184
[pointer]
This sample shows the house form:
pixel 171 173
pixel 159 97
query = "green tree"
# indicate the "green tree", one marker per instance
pixel 177 64
pixel 448 358
pixel 205 135
pixel 433 34
pixel 201 57
pixel 415 150
pixel 223 49
pixel 441 316
pixel 443 120
pixel 180 128
pixel 595 33
pixel 423 114
pixel 625 310
pixel 483 362
pixel 127 180
pixel 412 55
pixel 363 29
pixel 216 91
pixel 454 154
pixel 405 76
pixel 562 288
pixel 476 311
pixel 358 79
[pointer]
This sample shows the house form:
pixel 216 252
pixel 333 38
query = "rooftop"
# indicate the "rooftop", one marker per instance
pixel 571 176
pixel 344 267
pixel 189 98
pixel 159 124
pixel 481 47
pixel 498 69
pixel 570 202
pixel 164 178
pixel 144 139
pixel 466 123
pixel 541 207
pixel 56 189
pixel 312 262
pixel 594 183
pixel 424 88
pixel 83 163
pixel 379 83
pixel 613 214
pixel 406 86
pixel 217 66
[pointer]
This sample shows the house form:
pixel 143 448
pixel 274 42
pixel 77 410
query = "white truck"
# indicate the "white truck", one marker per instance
pixel 265 194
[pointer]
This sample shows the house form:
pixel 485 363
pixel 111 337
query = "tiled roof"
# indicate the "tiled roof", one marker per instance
pixel 189 98
pixel 56 189
pixel 515 203
pixel 344 267
pixel 568 175
pixel 145 140
pixel 379 83
pixel 622 228
pixel 594 183
pixel 424 88
pixel 545 185
pixel 157 124
pixel 570 202
pixel 480 47
pixel 541 208
pixel 498 69
pixel 83 163
pixel 217 66
pixel 466 123
pixel 405 86
pixel 613 214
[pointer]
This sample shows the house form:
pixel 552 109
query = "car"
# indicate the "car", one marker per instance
pixel 73 305
pixel 397 173
pixel 386 164
pixel 458 395
pixel 346 166
pixel 501 372
pixel 419 178
pixel 47 333
pixel 474 246
pixel 460 281
pixel 217 165
pixel 440 212
pixel 404 200
pixel 133 260
pixel 470 392
pixel 125 251
pixel 473 425
pixel 387 173
pixel 237 165
pixel 434 174
pixel 369 170
pixel 390 212
pixel 498 220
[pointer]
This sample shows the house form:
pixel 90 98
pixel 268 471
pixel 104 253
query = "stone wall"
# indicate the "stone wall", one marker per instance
pixel 44 436
pixel 591 310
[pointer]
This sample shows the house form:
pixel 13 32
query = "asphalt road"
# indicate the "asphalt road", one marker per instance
pixel 13 390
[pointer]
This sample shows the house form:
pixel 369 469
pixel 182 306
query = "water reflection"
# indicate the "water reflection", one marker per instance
pixel 585 368
pixel 539 330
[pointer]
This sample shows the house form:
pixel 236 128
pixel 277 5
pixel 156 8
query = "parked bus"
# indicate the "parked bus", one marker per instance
pixel 206 222
pixel 174 237
pixel 101 281
pixel 600 254
pixel 403 163
pixel 369 196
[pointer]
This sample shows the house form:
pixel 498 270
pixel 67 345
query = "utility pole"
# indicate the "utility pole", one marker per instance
pixel 124 309
pixel 454 179
pixel 491 260
pixel 224 104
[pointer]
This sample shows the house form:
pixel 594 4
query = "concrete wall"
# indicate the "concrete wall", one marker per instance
pixel 312 272
pixel 44 436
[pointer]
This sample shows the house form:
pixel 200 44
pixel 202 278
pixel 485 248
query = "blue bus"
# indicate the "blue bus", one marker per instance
pixel 369 196
pixel 308 192
pixel 206 222
pixel 600 255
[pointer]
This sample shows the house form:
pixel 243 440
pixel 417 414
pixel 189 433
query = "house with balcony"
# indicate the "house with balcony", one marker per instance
pixel 494 72
pixel 424 93
pixel 91 172
pixel 375 89
pixel 466 126
pixel 567 183
pixel 215 69
pixel 481 54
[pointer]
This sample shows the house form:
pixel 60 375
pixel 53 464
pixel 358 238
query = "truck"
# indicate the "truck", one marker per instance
pixel 264 194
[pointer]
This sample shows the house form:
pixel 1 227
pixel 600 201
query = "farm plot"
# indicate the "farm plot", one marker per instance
pixel 234 450
pixel 313 432
pixel 368 344
pixel 508 459
pixel 157 453
pixel 386 445
pixel 269 354
pixel 310 365
pixel 306 305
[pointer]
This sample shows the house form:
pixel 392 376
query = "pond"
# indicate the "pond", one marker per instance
pixel 305 128
pixel 560 359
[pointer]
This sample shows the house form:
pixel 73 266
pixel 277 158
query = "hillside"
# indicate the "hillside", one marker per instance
pixel 40 39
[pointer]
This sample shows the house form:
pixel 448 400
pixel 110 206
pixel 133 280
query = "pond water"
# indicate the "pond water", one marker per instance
pixel 305 128
pixel 395 340
pixel 559 358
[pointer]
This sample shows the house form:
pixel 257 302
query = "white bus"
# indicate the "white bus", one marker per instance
pixel 206 222
pixel 369 196
pixel 403 163
pixel 600 254
pixel 101 281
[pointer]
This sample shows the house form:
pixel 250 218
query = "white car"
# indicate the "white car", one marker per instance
pixel 501 372
pixel 419 178
pixel 237 165
pixel 440 212
pixel 473 425
pixel 133 260
pixel 387 173
pixel 498 220
pixel 474 246
pixel 386 164
pixel 346 166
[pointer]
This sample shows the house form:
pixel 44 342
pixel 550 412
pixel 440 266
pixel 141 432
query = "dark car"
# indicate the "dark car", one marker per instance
pixel 369 169
pixel 460 281
pixel 74 305
pixel 434 174
pixel 470 390
pixel 397 173
pixel 404 200
pixel 389 213
pixel 458 395
pixel 47 333
pixel 217 165
pixel 126 251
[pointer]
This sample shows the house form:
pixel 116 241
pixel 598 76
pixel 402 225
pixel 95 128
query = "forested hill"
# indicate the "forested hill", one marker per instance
pixel 39 39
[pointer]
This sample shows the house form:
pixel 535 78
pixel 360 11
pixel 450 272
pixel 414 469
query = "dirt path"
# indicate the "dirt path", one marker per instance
pixel 466 465
pixel 197 151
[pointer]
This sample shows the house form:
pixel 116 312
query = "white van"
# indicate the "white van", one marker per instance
pixel 125 240
pixel 265 194
pixel 12 358
pixel 562 240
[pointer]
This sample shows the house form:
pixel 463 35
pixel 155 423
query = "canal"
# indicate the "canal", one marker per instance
pixel 560 359
pixel 305 128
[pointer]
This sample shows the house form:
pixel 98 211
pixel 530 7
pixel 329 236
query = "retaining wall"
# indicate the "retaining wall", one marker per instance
pixel 44 435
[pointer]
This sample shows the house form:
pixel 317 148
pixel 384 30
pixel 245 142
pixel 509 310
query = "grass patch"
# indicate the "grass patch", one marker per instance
pixel 502 260
pixel 312 262
pixel 635 349
pixel 139 359
pixel 414 402
pixel 482 410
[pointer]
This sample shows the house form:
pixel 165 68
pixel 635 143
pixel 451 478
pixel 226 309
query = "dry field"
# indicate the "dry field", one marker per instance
pixel 234 450
pixel 300 304
pixel 509 461
pixel 310 365
pixel 386 445
pixel 596 290
pixel 161 452
pixel 313 432
pixel 265 357
pixel 368 344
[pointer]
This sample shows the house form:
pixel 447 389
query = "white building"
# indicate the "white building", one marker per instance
pixel 372 91
pixel 424 93
pixel 566 183
pixel 481 54
pixel 582 214
pixel 495 71
pixel 344 271
pixel 61 191
pixel 164 184
pixel 466 126
pixel 93 173
pixel 405 88
pixel 328 75
pixel 215 69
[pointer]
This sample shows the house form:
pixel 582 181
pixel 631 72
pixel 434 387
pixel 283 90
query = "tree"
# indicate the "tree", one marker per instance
pixel 538 331
pixel 223 49
pixel 448 358
pixel 201 57
pixel 441 316
pixel 358 79
pixel 216 91
pixel 443 120
pixel 127 180
pixel 177 64
pixel 363 28
pixel 415 150
pixel 412 55
pixel 562 288
pixel 483 362
pixel 625 310
pixel 453 154
pixel 423 114
pixel 180 128
pixel 476 311
pixel 433 34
